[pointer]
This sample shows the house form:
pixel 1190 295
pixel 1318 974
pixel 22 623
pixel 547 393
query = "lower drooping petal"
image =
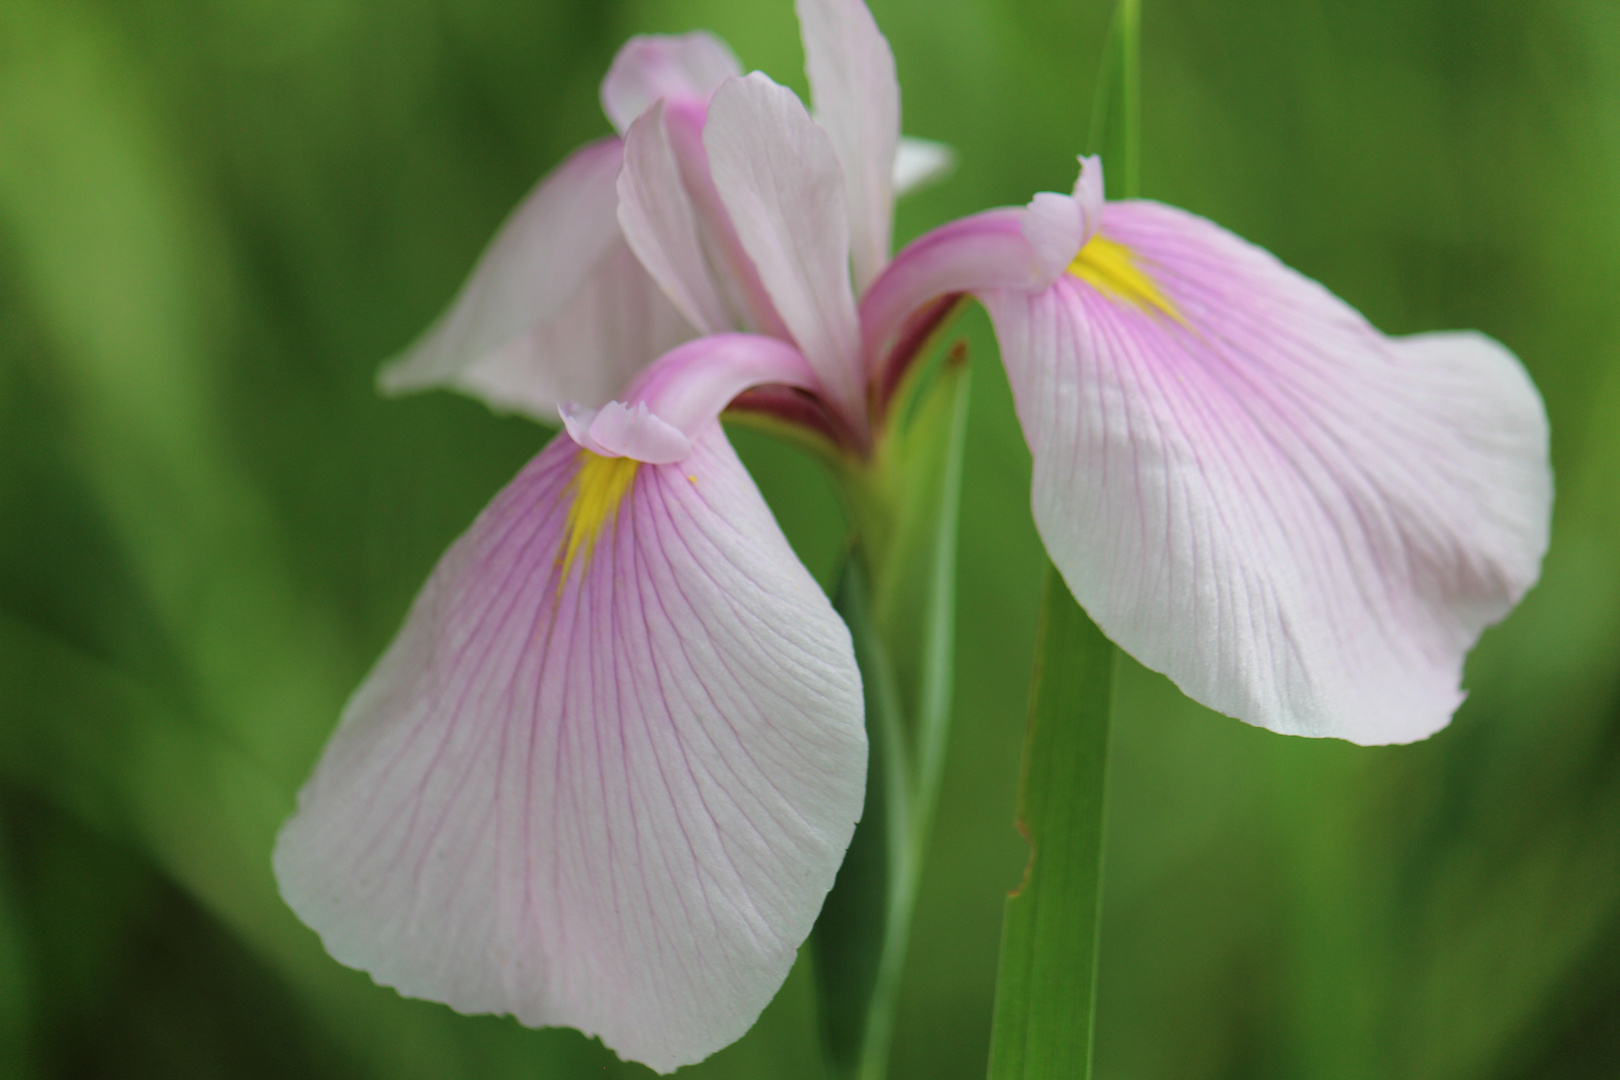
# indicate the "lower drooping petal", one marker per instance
pixel 1303 523
pixel 604 776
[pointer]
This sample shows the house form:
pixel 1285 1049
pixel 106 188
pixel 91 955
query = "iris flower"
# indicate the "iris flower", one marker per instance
pixel 606 773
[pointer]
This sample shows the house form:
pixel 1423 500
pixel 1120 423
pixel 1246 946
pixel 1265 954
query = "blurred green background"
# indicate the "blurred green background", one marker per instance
pixel 218 216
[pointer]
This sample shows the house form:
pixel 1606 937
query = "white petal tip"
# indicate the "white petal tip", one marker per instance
pixel 921 163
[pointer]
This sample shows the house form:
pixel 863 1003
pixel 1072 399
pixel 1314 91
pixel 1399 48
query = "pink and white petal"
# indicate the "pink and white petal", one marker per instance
pixel 1055 227
pixel 1303 523
pixel 660 225
pixel 538 262
pixel 652 68
pixel 689 386
pixel 920 163
pixel 989 250
pixel 736 278
pixel 1088 193
pixel 857 101
pixel 782 185
pixel 633 431
pixel 607 790
pixel 618 322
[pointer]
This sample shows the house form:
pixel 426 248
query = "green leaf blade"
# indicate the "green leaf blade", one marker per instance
pixel 1046 986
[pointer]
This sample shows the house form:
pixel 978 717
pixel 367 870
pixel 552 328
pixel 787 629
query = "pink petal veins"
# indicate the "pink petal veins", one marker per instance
pixel 605 774
pixel 1303 523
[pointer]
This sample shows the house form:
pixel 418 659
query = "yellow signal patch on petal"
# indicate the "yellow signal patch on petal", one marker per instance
pixel 599 487
pixel 1111 268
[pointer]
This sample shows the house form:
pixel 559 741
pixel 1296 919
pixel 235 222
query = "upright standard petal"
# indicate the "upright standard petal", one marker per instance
pixel 660 223
pixel 557 308
pixel 1303 523
pixel 605 775
pixel 618 321
pixel 653 68
pixel 857 100
pixel 536 263
pixel 782 186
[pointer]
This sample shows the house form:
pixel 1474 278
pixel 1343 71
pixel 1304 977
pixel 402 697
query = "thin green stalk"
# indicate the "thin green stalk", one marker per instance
pixel 897 595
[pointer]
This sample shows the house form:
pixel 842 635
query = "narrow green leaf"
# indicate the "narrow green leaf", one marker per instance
pixel 1116 111
pixel 1046 986
pixel 1047 981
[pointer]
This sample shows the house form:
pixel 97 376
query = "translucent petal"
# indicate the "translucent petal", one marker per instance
pixel 556 309
pixel 857 100
pixel 616 324
pixel 920 163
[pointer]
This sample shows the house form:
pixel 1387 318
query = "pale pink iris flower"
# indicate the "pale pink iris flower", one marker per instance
pixel 606 773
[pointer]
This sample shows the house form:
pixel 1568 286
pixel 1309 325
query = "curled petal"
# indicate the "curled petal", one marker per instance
pixel 857 100
pixel 678 69
pixel 1058 226
pixel 627 431
pixel 782 185
pixel 690 385
pixel 972 254
pixel 682 393
pixel 1303 523
pixel 1056 231
pixel 1088 193
pixel 605 774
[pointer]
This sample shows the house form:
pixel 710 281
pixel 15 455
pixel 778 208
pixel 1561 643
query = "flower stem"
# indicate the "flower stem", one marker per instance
pixel 897 594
